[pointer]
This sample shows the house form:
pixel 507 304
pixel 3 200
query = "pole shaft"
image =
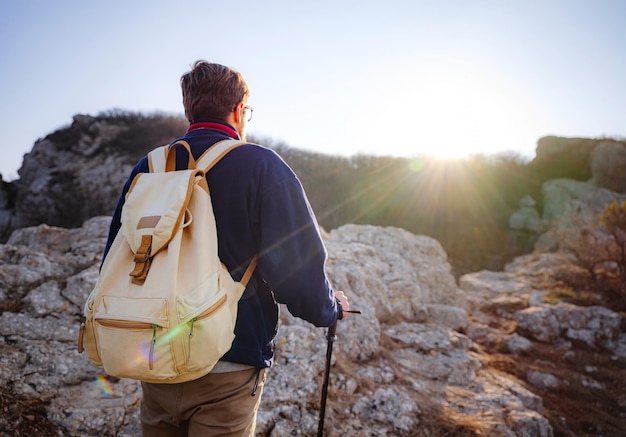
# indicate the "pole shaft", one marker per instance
pixel 329 352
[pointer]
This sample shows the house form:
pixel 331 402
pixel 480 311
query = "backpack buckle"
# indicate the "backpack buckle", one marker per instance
pixel 142 260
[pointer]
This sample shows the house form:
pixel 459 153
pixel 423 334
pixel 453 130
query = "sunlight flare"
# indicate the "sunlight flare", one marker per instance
pixel 103 384
pixel 449 112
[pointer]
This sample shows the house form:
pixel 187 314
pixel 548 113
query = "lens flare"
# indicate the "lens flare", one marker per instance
pixel 104 385
pixel 418 164
pixel 173 333
pixel 142 354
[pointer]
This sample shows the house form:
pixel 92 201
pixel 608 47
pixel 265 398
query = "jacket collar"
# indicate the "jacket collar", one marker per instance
pixel 215 125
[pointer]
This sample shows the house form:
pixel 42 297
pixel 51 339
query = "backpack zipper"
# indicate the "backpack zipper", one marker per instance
pixel 206 313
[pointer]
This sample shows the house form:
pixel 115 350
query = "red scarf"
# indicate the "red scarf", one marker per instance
pixel 211 125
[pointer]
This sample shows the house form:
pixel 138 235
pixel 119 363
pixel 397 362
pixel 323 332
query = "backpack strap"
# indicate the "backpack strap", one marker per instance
pixel 216 152
pixel 161 158
pixel 248 273
pixel 157 159
pixel 164 158
pixel 208 159
pixel 158 162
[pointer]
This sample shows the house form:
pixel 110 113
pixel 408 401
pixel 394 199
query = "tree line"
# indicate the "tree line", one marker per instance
pixel 465 204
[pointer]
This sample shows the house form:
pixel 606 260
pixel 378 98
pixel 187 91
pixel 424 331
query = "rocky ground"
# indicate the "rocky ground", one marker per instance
pixel 498 353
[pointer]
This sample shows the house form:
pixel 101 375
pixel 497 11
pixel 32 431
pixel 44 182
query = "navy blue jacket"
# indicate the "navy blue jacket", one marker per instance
pixel 260 207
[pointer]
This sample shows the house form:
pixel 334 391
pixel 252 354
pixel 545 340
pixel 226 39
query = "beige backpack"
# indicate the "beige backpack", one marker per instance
pixel 164 307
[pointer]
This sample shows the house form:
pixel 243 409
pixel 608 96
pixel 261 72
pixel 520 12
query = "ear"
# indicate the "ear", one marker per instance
pixel 239 113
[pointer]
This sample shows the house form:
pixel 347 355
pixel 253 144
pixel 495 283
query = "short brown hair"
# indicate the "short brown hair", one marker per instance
pixel 211 91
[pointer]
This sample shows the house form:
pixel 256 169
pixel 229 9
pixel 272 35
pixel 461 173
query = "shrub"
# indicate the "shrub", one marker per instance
pixel 142 132
pixel 599 246
pixel 613 218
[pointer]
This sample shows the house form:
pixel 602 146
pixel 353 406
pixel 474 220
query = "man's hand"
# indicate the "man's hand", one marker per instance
pixel 345 305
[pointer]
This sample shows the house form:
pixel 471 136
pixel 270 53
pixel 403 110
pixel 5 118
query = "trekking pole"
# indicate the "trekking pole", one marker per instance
pixel 329 352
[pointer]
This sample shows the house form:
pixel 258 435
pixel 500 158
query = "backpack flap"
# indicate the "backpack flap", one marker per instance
pixel 151 217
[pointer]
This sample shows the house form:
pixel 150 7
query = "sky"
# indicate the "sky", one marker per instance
pixel 448 78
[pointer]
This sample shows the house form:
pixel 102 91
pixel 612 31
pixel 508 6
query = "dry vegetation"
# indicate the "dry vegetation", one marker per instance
pixel 599 245
pixel 591 397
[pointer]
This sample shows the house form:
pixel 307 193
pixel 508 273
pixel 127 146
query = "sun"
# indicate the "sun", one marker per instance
pixel 444 113
pixel 457 115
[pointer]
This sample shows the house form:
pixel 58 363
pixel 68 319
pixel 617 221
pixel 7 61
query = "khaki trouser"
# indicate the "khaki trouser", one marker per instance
pixel 218 404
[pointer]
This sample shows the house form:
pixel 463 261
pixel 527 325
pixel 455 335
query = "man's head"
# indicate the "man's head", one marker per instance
pixel 214 91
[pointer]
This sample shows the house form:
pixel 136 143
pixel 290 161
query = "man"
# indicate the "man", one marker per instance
pixel 260 208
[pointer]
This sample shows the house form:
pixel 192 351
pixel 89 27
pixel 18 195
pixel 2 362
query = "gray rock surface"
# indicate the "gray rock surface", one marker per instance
pixel 406 363
pixel 605 163
pixel 76 173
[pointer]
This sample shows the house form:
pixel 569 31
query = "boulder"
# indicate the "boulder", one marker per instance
pixel 595 327
pixel 527 218
pixel 552 149
pixel 77 172
pixel 608 166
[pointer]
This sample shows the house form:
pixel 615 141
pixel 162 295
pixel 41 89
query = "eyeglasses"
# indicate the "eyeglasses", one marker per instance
pixel 249 111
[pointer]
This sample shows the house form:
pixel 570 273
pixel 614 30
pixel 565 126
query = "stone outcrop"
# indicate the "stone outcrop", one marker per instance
pixel 608 162
pixel 553 149
pixel 77 172
pixel 603 160
pixel 596 327
pixel 527 218
pixel 601 164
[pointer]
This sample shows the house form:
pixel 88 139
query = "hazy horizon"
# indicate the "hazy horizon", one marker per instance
pixel 451 78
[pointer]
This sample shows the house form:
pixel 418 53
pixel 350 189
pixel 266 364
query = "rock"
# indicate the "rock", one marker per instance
pixel 558 194
pixel 542 380
pixel 393 409
pixel 608 166
pixel 517 344
pixel 395 284
pixel 487 289
pixel 426 354
pixel 77 172
pixel 536 268
pixel 527 218
pixel 451 317
pixel 434 353
pixel 493 284
pixel 520 409
pixel 553 149
pixel 596 327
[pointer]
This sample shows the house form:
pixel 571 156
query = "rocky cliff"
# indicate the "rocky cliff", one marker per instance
pixel 77 172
